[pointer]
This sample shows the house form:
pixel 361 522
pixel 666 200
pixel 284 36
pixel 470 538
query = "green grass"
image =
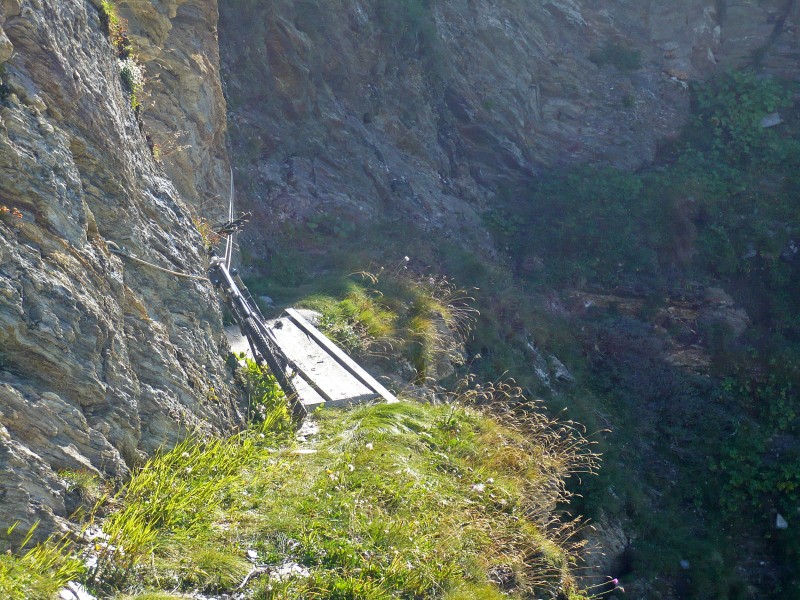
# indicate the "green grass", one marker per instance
pixel 174 499
pixel 387 501
pixel 38 572
pixel 421 318
pixel 82 481
pixel 391 505
pixel 360 321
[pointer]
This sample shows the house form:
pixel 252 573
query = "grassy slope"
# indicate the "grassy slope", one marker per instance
pixel 386 501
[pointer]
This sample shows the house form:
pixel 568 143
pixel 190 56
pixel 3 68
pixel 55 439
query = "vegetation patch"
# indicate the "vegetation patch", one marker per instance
pixel 408 500
pixel 210 238
pixel 385 501
pixel 718 211
pixel 131 71
pixel 36 573
pixel 694 216
pixel 730 110
pixel 424 319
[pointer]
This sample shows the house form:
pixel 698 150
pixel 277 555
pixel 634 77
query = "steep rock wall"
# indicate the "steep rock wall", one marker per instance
pixel 422 110
pixel 102 360
pixel 183 106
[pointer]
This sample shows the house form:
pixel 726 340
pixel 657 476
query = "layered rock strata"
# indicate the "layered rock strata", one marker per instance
pixel 422 111
pixel 102 359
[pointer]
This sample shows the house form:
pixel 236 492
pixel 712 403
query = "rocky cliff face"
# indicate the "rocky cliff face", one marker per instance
pixel 102 359
pixel 184 110
pixel 369 108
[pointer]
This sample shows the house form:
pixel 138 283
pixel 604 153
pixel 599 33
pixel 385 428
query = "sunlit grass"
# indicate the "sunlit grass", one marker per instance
pixel 408 501
pixel 387 501
pixel 39 572
pixel 419 317
pixel 172 503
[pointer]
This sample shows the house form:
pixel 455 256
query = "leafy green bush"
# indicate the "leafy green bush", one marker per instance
pixel 268 407
pixel 729 111
pixel 759 474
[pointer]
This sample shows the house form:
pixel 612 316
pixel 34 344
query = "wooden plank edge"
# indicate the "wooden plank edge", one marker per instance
pixel 352 401
pixel 324 395
pixel 339 355
pixel 332 379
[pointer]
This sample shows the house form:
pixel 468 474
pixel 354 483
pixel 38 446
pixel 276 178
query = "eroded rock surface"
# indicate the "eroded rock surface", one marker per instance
pixel 367 109
pixel 102 360
pixel 184 109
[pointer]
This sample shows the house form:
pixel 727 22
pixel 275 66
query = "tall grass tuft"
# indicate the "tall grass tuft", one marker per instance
pixel 39 572
pixel 177 494
pixel 175 491
pixel 421 317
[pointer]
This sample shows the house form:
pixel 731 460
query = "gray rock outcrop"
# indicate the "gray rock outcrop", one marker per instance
pixel 184 109
pixel 368 109
pixel 102 360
